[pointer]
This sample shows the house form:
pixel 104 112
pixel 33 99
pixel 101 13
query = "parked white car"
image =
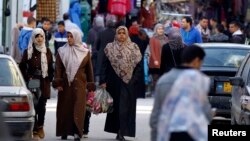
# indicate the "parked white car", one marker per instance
pixel 19 108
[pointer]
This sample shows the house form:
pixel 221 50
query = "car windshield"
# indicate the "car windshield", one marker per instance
pixel 224 57
pixel 9 76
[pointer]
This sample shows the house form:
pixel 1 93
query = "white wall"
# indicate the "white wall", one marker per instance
pixel 64 7
pixel 12 20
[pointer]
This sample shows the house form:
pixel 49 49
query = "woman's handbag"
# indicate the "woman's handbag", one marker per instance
pixel 34 87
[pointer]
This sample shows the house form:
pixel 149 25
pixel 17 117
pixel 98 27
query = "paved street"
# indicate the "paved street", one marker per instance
pixel 144 107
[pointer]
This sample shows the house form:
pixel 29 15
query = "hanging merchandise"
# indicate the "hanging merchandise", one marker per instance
pixel 85 18
pixel 119 7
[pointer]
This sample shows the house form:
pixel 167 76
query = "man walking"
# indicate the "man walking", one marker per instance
pixel 191 58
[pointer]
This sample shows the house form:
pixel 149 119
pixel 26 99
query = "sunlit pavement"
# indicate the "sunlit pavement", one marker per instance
pixel 144 107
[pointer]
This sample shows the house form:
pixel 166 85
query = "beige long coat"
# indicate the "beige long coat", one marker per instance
pixel 71 104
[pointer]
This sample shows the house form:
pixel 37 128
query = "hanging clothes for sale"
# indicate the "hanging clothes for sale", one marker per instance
pixel 102 6
pixel 119 7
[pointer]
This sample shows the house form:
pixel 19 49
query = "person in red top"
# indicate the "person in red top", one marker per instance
pixel 146 19
pixel 156 42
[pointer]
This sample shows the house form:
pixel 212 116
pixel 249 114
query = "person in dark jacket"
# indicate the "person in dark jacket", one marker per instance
pixel 142 40
pixel 119 75
pixel 37 63
pixel 46 25
pixel 98 27
pixel 105 37
pixel 237 35
pixel 60 36
pixel 171 51
pixel 219 36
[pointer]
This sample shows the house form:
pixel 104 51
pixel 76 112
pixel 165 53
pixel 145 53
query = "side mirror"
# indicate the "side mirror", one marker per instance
pixel 34 83
pixel 237 81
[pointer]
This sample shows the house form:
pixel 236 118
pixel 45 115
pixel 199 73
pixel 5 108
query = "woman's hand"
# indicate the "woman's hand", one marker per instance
pixel 104 85
pixel 59 88
pixel 91 86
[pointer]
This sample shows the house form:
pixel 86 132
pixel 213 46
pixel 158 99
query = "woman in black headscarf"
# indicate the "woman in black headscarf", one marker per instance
pixel 171 51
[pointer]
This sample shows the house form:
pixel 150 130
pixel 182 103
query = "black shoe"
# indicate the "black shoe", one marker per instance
pixel 120 137
pixel 64 137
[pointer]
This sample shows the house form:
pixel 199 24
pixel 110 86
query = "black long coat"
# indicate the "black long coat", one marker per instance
pixel 104 37
pixel 142 44
pixel 169 59
pixel 123 117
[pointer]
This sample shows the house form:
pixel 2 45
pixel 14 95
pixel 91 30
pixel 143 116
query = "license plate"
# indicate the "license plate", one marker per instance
pixel 227 87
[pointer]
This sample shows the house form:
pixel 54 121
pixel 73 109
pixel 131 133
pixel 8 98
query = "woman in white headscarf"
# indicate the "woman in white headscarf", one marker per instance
pixel 119 75
pixel 37 63
pixel 73 72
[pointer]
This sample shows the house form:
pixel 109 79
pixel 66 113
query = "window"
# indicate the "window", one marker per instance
pixel 9 76
pixel 224 57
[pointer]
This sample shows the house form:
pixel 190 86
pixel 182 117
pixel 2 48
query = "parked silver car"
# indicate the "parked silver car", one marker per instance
pixel 240 111
pixel 19 110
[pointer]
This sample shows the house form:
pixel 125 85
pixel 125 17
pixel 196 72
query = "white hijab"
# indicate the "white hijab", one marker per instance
pixel 72 56
pixel 42 49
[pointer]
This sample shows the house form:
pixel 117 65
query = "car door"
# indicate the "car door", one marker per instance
pixel 237 91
